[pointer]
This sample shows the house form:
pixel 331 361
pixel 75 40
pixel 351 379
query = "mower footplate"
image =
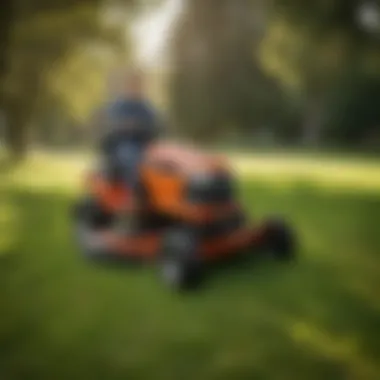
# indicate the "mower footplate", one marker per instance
pixel 142 246
pixel 229 245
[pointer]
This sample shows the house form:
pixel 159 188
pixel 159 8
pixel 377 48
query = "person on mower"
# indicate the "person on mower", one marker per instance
pixel 131 123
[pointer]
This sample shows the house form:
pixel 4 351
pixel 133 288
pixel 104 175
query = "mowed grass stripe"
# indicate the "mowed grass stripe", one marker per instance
pixel 46 170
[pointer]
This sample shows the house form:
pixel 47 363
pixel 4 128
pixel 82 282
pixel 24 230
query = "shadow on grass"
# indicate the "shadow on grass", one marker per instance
pixel 316 318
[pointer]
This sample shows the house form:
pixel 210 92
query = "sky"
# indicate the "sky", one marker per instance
pixel 151 33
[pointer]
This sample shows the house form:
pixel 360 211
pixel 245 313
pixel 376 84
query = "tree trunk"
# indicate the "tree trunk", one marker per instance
pixel 313 123
pixel 6 19
pixel 12 113
pixel 17 139
pixel 17 121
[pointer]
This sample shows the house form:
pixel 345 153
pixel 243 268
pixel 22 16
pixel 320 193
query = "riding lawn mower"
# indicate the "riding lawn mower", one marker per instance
pixel 188 216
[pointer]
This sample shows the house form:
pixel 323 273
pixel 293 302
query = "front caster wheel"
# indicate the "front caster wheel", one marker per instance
pixel 89 218
pixel 179 264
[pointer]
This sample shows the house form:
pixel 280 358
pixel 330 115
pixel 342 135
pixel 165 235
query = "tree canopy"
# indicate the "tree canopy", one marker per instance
pixel 49 51
pixel 287 66
pixel 246 61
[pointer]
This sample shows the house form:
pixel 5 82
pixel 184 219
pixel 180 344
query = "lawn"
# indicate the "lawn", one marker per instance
pixel 319 318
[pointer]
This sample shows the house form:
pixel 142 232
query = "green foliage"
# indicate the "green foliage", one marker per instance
pixel 354 115
pixel 44 41
pixel 308 44
pixel 217 83
pixel 301 61
pixel 307 47
pixel 231 74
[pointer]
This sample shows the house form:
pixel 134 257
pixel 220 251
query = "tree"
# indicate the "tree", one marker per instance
pixel 307 46
pixel 216 83
pixel 36 39
pixel 353 115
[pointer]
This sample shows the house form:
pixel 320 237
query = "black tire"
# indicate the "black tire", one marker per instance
pixel 88 211
pixel 89 218
pixel 179 264
pixel 280 239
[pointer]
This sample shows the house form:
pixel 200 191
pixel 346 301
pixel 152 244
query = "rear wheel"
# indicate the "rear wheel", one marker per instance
pixel 279 239
pixel 179 264
pixel 89 220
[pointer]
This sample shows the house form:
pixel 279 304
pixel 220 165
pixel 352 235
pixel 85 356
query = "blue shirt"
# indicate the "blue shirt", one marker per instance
pixel 123 110
pixel 130 120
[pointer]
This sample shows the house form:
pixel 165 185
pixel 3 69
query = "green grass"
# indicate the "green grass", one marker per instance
pixel 62 318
